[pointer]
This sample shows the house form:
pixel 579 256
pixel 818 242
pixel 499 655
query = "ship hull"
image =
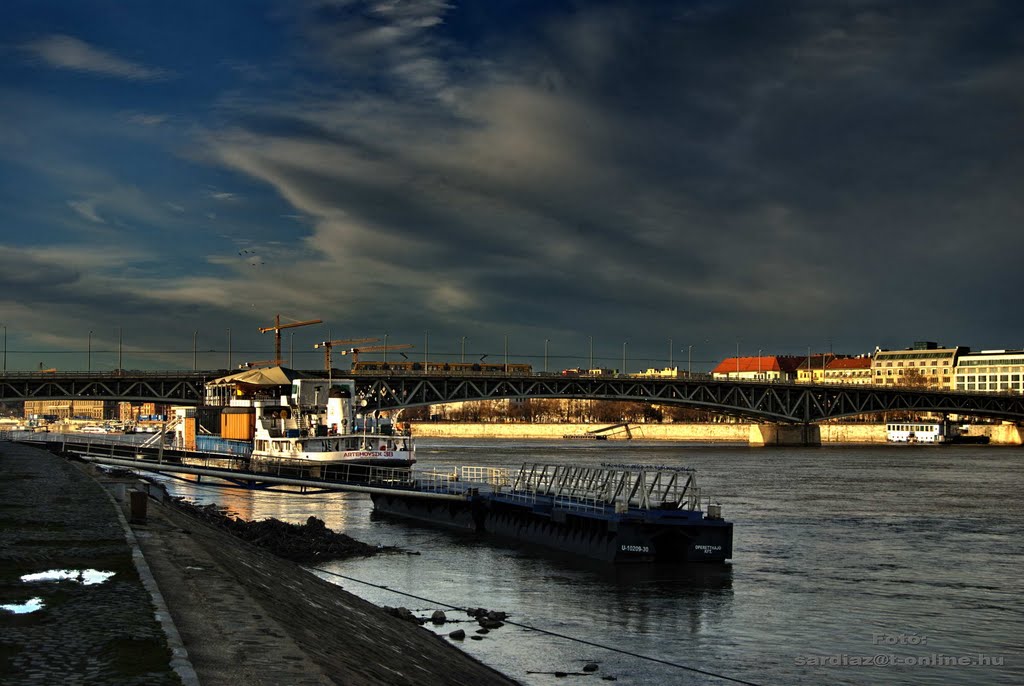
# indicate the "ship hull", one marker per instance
pixel 649 536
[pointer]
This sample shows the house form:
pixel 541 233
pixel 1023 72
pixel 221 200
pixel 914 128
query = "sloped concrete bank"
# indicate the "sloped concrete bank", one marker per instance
pixel 999 434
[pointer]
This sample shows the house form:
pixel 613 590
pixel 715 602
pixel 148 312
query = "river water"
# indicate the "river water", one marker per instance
pixel 852 565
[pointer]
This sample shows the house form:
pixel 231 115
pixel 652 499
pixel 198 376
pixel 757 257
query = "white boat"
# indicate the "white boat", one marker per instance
pixel 311 421
pixel 929 433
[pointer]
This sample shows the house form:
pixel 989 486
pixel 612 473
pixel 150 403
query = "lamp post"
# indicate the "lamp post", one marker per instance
pixel 426 347
pixel 506 353
pixel 808 364
pixel 120 340
pixel 195 351
pixel 737 359
pixel 5 348
pixel 591 338
pixel 463 359
pixel 758 363
pixel 624 343
pixel 546 341
pixel 670 353
pixel 88 354
pixel 689 358
pixel 385 347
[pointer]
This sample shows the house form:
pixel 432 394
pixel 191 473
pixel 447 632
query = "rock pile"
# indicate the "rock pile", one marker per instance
pixel 303 543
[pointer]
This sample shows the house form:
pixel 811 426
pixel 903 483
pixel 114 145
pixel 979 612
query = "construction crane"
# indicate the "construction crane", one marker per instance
pixel 354 352
pixel 276 328
pixel 327 345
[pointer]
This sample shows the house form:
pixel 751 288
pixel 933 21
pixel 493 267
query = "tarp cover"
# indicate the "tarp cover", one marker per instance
pixel 270 376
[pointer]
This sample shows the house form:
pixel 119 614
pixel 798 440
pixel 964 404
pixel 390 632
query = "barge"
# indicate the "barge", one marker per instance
pixel 616 513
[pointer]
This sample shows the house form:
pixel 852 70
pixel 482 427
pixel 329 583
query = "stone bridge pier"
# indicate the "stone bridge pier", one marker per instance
pixel 762 435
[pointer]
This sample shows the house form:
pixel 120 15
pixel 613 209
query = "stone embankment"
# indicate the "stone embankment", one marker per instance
pixel 1000 434
pixel 181 600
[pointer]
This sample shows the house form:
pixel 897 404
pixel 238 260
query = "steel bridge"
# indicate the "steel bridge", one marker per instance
pixel 766 402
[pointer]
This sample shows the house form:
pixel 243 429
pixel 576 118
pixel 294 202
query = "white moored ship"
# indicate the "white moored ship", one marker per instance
pixel 278 420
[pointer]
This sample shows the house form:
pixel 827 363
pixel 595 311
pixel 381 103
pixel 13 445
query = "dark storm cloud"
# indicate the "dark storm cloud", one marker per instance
pixel 728 160
pixel 782 174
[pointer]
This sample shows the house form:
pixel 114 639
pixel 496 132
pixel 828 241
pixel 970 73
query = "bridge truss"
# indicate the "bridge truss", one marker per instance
pixel 785 403
pixel 764 402
pixel 181 388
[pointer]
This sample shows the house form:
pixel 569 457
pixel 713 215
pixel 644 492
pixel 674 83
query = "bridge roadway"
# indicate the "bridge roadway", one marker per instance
pixel 767 402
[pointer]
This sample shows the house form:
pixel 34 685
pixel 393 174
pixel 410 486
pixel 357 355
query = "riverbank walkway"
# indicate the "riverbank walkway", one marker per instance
pixel 90 598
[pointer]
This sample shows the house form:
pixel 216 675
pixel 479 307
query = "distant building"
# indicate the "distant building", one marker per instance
pixel 926 365
pixel 848 370
pixel 665 373
pixel 764 368
pixel 992 371
pixel 812 368
pixel 69 409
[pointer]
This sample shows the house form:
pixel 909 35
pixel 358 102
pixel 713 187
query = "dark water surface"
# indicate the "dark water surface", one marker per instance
pixel 907 557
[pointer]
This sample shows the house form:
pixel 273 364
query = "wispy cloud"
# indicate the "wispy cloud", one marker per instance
pixel 87 209
pixel 67 52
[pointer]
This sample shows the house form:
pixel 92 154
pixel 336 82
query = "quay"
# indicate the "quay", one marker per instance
pixel 186 603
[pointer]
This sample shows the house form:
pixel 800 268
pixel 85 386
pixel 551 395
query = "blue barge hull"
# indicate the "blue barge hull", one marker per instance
pixel 564 510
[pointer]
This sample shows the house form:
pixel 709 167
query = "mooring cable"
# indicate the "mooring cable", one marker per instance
pixel 546 631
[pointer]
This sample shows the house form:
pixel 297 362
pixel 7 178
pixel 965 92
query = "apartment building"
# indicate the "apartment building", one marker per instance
pixel 926 365
pixel 992 371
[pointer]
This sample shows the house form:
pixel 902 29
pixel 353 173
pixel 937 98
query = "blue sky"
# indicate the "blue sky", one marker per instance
pixel 651 176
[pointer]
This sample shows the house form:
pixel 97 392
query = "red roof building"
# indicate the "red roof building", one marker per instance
pixel 764 368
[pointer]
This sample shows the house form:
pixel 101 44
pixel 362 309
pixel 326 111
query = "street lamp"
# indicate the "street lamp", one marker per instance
pixel 120 340
pixel 229 348
pixel 546 341
pixel 426 347
pixel 463 349
pixel 195 351
pixel 591 338
pixel 624 343
pixel 758 363
pixel 5 348
pixel 385 347
pixel 506 353
pixel 689 357
pixel 670 353
pixel 89 353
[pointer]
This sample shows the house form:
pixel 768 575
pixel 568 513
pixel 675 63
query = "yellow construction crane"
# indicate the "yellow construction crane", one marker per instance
pixel 276 328
pixel 327 345
pixel 354 352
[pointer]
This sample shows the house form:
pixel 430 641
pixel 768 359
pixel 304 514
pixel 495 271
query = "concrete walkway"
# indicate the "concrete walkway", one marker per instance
pixel 186 603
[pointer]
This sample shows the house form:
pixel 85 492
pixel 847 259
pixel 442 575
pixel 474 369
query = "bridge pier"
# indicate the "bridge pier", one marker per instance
pixel 762 435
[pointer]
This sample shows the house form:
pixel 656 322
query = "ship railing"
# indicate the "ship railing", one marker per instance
pixel 464 479
pixel 589 505
pixel 636 486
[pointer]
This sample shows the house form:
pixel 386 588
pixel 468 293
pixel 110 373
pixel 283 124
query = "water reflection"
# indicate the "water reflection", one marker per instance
pixel 833 546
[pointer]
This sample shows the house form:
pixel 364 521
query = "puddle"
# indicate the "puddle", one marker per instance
pixel 86 577
pixel 24 608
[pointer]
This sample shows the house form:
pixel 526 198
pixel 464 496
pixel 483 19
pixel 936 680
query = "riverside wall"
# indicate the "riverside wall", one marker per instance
pixel 999 434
